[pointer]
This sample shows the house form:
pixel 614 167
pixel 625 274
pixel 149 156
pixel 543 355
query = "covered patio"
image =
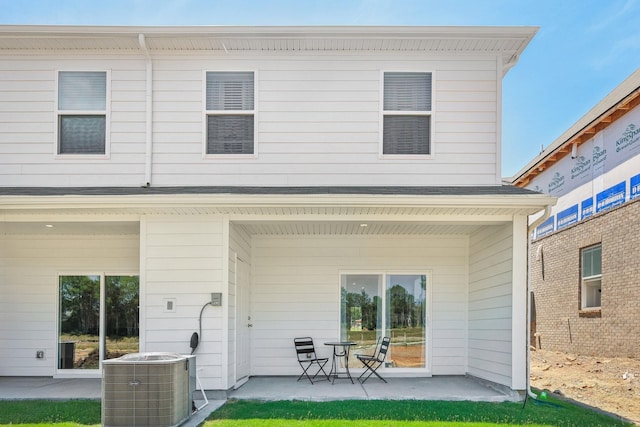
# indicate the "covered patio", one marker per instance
pixel 286 264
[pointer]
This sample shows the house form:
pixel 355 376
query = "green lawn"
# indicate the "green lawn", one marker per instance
pixel 410 413
pixel 349 413
pixel 58 413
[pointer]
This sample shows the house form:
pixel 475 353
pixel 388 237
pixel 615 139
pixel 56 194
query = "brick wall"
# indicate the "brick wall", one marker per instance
pixel 559 323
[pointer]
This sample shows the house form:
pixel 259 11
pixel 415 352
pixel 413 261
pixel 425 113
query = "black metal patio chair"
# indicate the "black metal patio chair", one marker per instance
pixel 307 358
pixel 373 362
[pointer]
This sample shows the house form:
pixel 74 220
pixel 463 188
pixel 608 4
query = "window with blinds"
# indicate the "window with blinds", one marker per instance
pixel 230 112
pixel 82 112
pixel 407 109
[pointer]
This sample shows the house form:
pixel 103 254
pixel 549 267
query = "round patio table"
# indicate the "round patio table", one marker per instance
pixel 340 351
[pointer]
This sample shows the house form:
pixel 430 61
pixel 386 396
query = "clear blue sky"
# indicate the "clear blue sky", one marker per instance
pixel 583 50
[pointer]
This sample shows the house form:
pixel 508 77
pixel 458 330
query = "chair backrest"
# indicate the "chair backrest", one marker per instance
pixel 382 350
pixel 304 348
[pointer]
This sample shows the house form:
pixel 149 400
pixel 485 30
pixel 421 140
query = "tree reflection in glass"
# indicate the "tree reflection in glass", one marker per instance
pixel 79 323
pixel 404 320
pixel 81 327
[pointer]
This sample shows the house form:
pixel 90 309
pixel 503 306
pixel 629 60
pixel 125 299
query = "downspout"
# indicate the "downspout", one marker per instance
pixel 533 226
pixel 149 112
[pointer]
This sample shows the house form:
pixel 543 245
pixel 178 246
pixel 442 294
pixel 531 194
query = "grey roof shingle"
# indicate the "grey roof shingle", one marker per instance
pixel 353 190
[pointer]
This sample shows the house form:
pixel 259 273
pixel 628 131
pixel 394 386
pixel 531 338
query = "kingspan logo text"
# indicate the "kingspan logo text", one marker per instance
pixel 556 182
pixel 582 165
pixel 599 155
pixel 629 137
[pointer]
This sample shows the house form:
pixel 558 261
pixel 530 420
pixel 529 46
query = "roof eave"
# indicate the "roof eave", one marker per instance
pixel 273 31
pixel 530 203
pixel 506 42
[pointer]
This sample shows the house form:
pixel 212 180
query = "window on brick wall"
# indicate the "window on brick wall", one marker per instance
pixel 591 276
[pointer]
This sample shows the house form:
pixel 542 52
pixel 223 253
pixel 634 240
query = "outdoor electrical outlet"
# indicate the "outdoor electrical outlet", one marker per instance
pixel 216 298
pixel 40 354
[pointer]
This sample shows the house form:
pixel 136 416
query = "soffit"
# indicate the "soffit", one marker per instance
pixel 507 42
pixel 369 228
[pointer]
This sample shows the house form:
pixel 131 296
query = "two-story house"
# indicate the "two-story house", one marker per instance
pixel 256 184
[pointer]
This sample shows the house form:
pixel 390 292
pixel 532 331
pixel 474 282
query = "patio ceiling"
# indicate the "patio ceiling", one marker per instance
pixel 80 228
pixel 359 228
pixel 263 228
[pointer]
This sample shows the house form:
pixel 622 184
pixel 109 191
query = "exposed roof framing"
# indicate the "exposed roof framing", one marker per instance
pixel 622 99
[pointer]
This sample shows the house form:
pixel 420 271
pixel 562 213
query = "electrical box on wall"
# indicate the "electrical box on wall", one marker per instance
pixel 169 305
pixel 216 298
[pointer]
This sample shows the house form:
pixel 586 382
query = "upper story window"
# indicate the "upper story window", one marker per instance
pixel 82 112
pixel 591 276
pixel 230 112
pixel 407 110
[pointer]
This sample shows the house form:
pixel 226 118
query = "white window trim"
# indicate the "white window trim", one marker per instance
pixel 106 113
pixel 427 369
pixel 586 280
pixel 383 113
pixel 206 113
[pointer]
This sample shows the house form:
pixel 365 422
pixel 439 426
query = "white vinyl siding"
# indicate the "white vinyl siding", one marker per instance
pixel 82 112
pixel 28 118
pixel 29 289
pixel 407 108
pixel 296 292
pixel 230 115
pixel 317 122
pixel 183 259
pixel 490 304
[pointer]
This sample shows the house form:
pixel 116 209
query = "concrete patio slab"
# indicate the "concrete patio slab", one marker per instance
pixel 50 388
pixel 432 388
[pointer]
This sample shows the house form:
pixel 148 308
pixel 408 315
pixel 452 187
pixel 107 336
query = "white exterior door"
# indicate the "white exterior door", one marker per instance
pixel 244 321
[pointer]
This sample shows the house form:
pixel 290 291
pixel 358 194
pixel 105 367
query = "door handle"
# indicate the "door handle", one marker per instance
pixel 249 325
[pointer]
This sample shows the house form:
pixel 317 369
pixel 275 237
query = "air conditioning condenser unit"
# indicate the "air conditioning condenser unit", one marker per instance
pixel 148 389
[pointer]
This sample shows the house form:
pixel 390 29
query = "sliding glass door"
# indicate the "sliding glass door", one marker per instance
pixel 387 304
pixel 97 319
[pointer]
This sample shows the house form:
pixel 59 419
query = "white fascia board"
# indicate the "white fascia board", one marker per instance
pixel 285 31
pixel 535 202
